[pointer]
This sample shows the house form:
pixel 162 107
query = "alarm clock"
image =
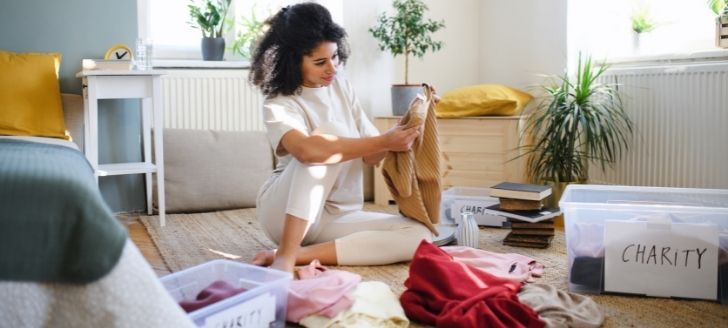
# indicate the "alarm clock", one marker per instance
pixel 119 52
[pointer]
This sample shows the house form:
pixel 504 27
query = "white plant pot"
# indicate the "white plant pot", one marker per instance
pixel 635 42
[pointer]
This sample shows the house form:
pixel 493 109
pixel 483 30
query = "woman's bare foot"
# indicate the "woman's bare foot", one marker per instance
pixel 264 258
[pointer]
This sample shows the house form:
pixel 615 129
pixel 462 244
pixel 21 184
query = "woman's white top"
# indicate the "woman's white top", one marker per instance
pixel 313 108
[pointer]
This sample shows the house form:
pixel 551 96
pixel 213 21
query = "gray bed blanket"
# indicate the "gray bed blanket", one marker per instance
pixel 54 225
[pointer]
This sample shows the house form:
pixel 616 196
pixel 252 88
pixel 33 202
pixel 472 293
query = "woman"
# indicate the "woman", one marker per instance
pixel 311 206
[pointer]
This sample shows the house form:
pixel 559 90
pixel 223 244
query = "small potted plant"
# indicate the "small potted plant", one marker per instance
pixel 249 30
pixel 720 8
pixel 642 22
pixel 406 33
pixel 210 19
pixel 579 120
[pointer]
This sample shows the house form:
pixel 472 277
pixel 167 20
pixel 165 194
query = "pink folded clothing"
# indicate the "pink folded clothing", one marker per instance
pixel 511 266
pixel 320 291
pixel 215 292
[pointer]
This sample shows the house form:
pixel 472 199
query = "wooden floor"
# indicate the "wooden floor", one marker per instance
pixel 141 239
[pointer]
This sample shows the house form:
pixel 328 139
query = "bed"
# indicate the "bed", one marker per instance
pixel 65 260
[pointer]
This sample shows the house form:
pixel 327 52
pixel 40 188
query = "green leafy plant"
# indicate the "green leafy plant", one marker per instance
pixel 249 29
pixel 407 32
pixel 642 22
pixel 718 6
pixel 210 18
pixel 577 122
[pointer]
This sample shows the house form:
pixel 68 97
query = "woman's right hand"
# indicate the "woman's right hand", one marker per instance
pixel 399 138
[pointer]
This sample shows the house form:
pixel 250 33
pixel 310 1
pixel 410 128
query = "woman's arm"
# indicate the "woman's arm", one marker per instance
pixel 329 149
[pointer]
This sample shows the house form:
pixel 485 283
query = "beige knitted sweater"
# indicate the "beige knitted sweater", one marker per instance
pixel 413 176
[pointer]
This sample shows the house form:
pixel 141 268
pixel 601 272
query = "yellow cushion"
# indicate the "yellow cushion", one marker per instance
pixel 30 97
pixel 482 100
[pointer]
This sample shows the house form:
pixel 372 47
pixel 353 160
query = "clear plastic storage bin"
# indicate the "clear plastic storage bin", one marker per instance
pixel 263 304
pixel 648 232
pixel 472 199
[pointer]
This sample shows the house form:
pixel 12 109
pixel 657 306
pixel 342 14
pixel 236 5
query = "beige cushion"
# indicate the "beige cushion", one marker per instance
pixel 208 170
pixel 73 115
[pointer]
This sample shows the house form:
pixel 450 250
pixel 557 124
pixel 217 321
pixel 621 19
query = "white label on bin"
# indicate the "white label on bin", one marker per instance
pixel 256 312
pixel 664 260
pixel 479 210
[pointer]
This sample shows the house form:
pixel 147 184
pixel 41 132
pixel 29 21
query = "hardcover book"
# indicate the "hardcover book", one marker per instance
pixel 529 239
pixel 528 216
pixel 520 191
pixel 512 204
pixel 516 224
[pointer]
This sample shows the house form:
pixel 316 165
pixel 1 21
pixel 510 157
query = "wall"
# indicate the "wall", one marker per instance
pixel 84 29
pixel 369 70
pixel 522 40
pixel 457 63
pixel 372 71
pixel 515 43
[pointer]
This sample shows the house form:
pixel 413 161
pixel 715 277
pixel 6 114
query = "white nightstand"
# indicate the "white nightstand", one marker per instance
pixel 119 84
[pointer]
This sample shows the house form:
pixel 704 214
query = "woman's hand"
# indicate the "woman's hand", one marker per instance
pixel 399 138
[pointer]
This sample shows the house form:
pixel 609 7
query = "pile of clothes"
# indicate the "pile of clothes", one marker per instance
pixel 465 287
pixel 452 286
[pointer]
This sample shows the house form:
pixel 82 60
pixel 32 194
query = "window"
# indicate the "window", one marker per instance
pixel 604 29
pixel 165 22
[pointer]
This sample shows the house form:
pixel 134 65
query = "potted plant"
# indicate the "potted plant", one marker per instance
pixel 642 22
pixel 249 29
pixel 406 33
pixel 720 8
pixel 210 19
pixel 577 121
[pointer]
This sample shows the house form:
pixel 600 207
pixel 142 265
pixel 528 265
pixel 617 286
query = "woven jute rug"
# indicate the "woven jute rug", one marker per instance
pixel 191 239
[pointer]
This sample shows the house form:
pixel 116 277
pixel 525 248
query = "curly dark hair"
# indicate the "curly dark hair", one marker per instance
pixel 293 32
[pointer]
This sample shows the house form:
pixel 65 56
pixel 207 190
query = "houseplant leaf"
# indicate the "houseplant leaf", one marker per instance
pixel 407 32
pixel 579 120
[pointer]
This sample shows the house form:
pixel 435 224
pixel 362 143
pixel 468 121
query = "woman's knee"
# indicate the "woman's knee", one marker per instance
pixel 416 233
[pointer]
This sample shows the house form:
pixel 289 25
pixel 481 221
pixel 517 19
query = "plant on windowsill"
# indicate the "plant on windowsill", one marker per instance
pixel 209 17
pixel 406 33
pixel 720 8
pixel 578 121
pixel 249 30
pixel 642 22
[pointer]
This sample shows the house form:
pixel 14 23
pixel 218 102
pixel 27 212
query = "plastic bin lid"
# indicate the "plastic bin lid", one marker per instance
pixel 633 196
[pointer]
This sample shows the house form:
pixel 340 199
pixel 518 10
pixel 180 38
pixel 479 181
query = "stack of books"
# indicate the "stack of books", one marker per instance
pixel 527 234
pixel 532 224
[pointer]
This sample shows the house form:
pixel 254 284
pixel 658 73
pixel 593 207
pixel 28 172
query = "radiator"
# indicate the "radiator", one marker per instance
pixel 220 99
pixel 680 116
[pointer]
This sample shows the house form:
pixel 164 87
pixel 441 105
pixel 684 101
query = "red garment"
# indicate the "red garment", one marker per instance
pixel 446 293
pixel 215 292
